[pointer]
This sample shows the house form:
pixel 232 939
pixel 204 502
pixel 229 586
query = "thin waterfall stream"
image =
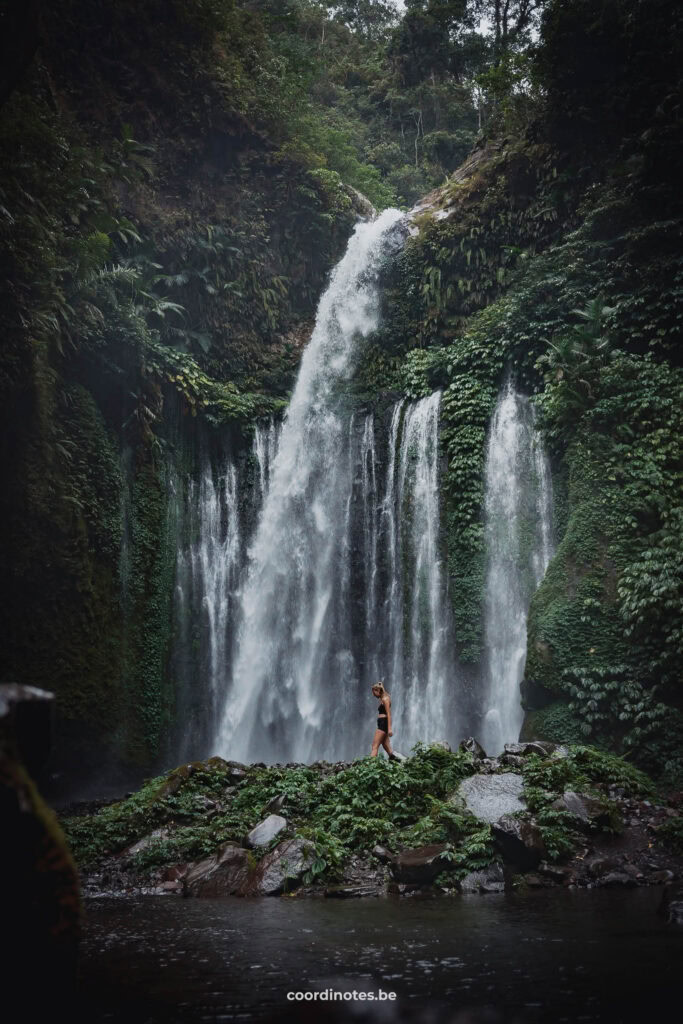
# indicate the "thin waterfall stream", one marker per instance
pixel 519 548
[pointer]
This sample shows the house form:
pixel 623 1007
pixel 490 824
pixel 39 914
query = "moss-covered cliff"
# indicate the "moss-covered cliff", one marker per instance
pixel 169 210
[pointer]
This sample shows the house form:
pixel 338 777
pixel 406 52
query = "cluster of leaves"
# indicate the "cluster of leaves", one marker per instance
pixel 585 769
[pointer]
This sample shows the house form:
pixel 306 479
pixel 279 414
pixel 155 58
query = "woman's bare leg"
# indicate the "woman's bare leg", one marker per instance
pixel 386 744
pixel 378 738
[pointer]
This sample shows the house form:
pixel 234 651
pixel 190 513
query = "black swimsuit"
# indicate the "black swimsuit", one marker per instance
pixel 382 719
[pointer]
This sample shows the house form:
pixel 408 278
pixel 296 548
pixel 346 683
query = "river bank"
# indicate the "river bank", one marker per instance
pixel 537 817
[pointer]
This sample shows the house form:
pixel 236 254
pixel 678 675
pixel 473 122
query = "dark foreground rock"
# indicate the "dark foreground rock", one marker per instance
pixel 224 873
pixel 422 865
pixel 282 869
pixel 519 841
pixel 490 879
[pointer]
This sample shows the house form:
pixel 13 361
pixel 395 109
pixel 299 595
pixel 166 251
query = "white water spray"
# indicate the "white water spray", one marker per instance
pixel 519 548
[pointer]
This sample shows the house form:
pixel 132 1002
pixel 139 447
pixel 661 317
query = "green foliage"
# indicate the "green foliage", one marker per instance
pixel 583 770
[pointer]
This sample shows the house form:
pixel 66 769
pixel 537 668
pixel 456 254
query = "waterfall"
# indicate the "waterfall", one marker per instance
pixel 519 547
pixel 343 585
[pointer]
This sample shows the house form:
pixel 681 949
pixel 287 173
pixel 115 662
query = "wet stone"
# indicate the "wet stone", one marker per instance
pixel 421 865
pixel 490 797
pixel 519 841
pixel 490 879
pixel 283 868
pixel 266 831
pixel 224 873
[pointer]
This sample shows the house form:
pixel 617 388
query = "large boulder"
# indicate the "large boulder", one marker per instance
pixel 266 831
pixel 224 873
pixel 489 797
pixel 520 842
pixel 282 869
pixel 421 865
pixel 490 879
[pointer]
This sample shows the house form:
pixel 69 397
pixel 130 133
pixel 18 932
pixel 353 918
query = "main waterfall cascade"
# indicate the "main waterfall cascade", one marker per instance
pixel 344 581
pixel 312 565
pixel 519 548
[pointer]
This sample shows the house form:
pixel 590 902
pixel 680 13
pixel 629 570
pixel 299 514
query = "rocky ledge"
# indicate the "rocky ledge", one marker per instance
pixel 538 816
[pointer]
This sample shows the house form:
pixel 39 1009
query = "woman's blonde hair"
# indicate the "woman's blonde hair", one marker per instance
pixel 380 687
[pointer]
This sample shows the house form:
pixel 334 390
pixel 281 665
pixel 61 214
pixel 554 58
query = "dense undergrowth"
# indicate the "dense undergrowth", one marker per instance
pixel 345 812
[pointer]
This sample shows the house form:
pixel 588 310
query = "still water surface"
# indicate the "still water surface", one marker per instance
pixel 520 959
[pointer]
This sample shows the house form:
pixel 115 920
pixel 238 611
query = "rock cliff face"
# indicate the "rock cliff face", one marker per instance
pixel 157 307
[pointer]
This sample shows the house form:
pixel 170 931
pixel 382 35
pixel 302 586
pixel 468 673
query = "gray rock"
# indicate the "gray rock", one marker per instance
pixel 553 871
pixel 530 747
pixel 489 797
pixel 349 892
pixel 158 835
pixel 661 877
pixel 473 747
pixel 266 830
pixel 489 879
pixel 519 841
pixel 586 808
pixel 277 803
pixel 421 865
pixel 513 760
pixel 224 873
pixel 441 744
pixel 617 878
pixel 283 868
pixel 601 865
pixel 382 854
pixel 395 756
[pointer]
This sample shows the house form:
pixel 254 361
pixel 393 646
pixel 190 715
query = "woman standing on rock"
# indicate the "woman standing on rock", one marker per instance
pixel 384 730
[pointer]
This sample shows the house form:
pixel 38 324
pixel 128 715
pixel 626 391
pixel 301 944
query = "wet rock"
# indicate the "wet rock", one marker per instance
pixel 266 831
pixel 473 747
pixel 349 892
pixel 277 803
pixel 588 809
pixel 490 879
pixel 535 881
pixel 441 744
pixel 174 781
pixel 382 854
pixel 616 879
pixel 165 887
pixel 513 760
pixel 490 797
pixel 224 873
pixel 598 866
pixel 420 866
pixel 158 835
pixel 554 872
pixel 531 747
pixel 395 756
pixel 662 877
pixel 282 869
pixel 519 841
pixel 174 872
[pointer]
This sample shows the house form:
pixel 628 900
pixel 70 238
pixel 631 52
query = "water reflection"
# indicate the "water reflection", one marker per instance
pixel 522 959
